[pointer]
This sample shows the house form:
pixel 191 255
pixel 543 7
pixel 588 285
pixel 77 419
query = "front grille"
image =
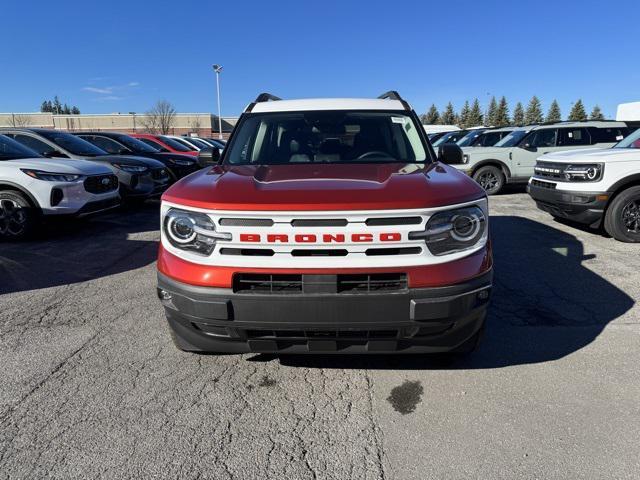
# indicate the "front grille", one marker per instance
pixel 375 282
pixel 159 174
pixel 393 221
pixel 538 183
pixel 393 251
pixel 101 183
pixel 550 170
pixel 327 284
pixel 257 283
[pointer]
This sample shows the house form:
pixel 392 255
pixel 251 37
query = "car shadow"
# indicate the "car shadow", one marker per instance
pixel 546 304
pixel 67 251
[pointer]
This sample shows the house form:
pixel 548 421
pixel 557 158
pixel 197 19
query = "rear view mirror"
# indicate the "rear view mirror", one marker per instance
pixel 450 153
pixel 208 157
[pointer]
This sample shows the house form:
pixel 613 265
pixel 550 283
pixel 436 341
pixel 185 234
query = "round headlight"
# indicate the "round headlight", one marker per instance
pixel 465 226
pixel 592 173
pixel 181 229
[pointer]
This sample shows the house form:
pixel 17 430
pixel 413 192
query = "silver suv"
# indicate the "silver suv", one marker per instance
pixel 513 158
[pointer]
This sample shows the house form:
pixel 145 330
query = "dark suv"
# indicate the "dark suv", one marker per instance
pixel 115 143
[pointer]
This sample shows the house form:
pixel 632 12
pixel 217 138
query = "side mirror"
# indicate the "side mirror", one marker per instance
pixel 208 157
pixel 529 147
pixel 450 153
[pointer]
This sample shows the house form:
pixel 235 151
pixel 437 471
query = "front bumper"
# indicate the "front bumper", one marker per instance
pixel 581 207
pixel 413 320
pixel 142 186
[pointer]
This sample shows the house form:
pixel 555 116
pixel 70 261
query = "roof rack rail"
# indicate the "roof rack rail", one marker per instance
pixel 390 95
pixel 265 97
pixel 393 95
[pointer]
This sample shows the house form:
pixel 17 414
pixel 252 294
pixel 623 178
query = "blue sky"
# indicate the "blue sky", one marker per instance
pixel 122 56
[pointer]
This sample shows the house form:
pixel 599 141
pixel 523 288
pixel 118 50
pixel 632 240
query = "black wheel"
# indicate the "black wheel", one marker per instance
pixel 490 178
pixel 17 216
pixel 622 219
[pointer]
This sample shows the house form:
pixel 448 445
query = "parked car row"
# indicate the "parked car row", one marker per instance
pixel 52 173
pixel 512 158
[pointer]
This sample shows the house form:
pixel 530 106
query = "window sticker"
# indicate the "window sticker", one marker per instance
pixel 398 120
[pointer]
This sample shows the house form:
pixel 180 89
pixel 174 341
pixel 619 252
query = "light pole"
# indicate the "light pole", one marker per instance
pixel 218 69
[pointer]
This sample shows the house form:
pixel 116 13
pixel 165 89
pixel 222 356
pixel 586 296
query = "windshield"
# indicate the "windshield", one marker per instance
pixel 73 144
pixel 632 141
pixel 469 138
pixel 179 147
pixel 198 143
pixel 326 137
pixel 12 150
pixel 451 137
pixel 136 145
pixel 512 139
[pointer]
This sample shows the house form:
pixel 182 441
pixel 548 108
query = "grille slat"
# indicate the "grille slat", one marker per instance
pixel 295 284
pixel 101 183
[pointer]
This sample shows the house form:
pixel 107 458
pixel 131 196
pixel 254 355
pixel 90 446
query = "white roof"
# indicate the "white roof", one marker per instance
pixel 628 111
pixel 314 104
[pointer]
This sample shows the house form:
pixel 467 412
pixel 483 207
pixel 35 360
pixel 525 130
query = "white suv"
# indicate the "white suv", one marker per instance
pixel 512 159
pixel 587 186
pixel 32 186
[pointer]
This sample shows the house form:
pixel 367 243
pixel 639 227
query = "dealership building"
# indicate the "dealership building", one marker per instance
pixel 197 124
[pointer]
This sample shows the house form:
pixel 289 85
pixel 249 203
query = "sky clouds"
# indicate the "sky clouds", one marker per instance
pixel 111 93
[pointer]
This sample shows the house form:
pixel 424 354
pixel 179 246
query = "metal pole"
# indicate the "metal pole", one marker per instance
pixel 218 91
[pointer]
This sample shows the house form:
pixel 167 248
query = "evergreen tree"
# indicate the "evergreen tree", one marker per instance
pixel 432 116
pixel 44 107
pixel 534 111
pixel 578 113
pixel 596 113
pixel 66 110
pixel 449 116
pixel 474 119
pixel 490 119
pixel 502 113
pixel 463 121
pixel 554 114
pixel 57 106
pixel 518 115
pixel 75 110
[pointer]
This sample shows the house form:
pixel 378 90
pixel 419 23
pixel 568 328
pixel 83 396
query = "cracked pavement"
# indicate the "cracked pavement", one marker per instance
pixel 91 385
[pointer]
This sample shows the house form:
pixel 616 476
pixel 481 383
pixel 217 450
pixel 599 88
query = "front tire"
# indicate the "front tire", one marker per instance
pixel 490 178
pixel 17 216
pixel 622 219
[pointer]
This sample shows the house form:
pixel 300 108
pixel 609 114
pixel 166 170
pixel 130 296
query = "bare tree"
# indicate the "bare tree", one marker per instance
pixel 160 118
pixel 19 120
pixel 195 124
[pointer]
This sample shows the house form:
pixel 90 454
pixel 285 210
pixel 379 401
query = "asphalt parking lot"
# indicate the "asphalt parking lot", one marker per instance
pixel 91 385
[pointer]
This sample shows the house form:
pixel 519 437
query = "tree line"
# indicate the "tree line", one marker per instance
pixel 498 114
pixel 56 107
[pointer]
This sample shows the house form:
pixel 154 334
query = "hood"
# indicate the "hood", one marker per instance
pixel 129 160
pixel 164 156
pixel 591 155
pixel 324 187
pixel 52 165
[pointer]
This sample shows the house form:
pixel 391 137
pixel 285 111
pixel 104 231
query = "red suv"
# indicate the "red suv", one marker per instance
pixel 164 144
pixel 330 226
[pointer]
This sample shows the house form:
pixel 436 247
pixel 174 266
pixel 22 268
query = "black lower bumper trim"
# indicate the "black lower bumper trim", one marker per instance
pixel 98 206
pixel 412 321
pixel 581 207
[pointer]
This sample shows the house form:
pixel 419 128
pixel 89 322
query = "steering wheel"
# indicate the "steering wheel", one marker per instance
pixel 377 153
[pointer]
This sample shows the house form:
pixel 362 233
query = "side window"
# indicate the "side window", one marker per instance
pixel 106 144
pixel 153 144
pixel 607 135
pixel 574 136
pixel 544 138
pixel 33 143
